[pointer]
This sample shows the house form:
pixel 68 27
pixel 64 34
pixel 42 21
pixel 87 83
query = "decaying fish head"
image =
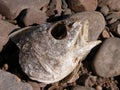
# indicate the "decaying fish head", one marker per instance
pixel 50 54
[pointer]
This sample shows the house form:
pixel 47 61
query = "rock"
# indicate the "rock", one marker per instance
pixel 107 60
pixel 118 29
pixel 66 10
pixel 98 87
pixel 5 29
pixel 55 8
pixel 34 16
pixel 106 33
pixel 113 17
pixel 82 5
pixel 12 9
pixel 82 88
pixel 9 81
pixel 104 10
pixel 114 5
pixel 0 16
pixel 37 86
pixel 94 17
pixel 86 80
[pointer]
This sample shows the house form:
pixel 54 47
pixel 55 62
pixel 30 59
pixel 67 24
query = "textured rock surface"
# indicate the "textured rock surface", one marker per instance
pixel 9 81
pixel 11 9
pixel 107 61
pixel 82 5
pixel 95 28
pixel 5 29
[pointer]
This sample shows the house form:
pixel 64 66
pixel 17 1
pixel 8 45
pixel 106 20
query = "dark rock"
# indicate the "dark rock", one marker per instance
pixel 82 5
pixel 107 60
pixel 5 29
pixel 9 81
pixel 96 22
pixel 11 9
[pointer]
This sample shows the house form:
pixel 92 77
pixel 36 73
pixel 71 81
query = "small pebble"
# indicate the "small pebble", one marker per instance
pixel 1 16
pixel 104 10
pixel 105 33
pixel 118 29
pixel 98 87
pixel 5 67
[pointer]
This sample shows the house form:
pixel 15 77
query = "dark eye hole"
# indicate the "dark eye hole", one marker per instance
pixel 59 31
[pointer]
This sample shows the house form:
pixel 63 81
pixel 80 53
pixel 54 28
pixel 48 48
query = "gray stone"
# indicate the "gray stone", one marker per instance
pixel 107 60
pixel 9 81
pixel 11 9
pixel 96 22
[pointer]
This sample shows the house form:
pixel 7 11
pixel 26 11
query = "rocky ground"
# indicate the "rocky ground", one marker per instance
pixel 101 68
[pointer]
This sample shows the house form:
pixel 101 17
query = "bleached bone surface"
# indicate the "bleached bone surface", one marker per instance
pixel 50 52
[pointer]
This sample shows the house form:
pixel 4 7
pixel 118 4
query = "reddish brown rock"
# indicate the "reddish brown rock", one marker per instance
pixel 106 33
pixel 11 9
pixel 107 60
pixel 82 5
pixel 96 22
pixel 34 16
pixel 5 29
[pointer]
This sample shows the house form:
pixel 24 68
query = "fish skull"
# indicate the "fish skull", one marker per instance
pixel 49 53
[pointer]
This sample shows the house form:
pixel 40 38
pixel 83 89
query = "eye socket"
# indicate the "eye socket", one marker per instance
pixel 59 31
